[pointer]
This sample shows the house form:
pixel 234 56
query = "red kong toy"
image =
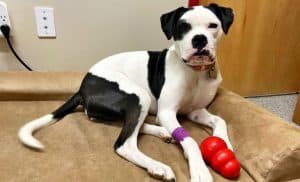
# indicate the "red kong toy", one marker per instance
pixel 215 152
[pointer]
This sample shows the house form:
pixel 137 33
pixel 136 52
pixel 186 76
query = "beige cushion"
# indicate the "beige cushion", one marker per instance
pixel 80 150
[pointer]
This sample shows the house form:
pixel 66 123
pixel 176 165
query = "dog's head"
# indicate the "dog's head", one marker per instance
pixel 196 31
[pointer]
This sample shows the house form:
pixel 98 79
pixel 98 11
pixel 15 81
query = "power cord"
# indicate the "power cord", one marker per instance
pixel 5 29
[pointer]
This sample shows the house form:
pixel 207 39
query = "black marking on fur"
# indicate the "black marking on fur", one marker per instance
pixel 103 100
pixel 156 71
pixel 67 107
pixel 182 28
pixel 225 15
pixel 169 21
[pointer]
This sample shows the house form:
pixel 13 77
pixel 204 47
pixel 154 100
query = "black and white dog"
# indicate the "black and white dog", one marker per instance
pixel 182 79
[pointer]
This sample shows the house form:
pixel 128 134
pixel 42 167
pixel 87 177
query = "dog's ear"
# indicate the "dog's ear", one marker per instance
pixel 169 20
pixel 224 14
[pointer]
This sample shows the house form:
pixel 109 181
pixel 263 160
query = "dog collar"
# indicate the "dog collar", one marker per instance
pixel 203 67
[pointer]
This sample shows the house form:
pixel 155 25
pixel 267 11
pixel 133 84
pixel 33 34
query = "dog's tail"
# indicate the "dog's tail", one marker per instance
pixel 25 133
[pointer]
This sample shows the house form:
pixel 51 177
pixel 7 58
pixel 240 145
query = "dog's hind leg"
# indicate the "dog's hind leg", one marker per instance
pixel 158 131
pixel 126 144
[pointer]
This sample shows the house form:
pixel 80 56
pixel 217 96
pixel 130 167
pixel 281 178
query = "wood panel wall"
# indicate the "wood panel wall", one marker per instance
pixel 261 53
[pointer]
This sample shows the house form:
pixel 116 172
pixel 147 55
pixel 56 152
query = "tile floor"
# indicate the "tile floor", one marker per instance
pixel 282 105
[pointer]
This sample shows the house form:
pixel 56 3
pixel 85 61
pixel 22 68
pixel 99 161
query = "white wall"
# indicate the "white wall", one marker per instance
pixel 86 31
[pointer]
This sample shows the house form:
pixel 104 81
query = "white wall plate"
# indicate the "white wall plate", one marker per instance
pixel 44 17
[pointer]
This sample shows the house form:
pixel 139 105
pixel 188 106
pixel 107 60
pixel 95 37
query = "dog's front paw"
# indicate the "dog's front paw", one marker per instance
pixel 161 171
pixel 201 175
pixel 221 131
pixel 199 171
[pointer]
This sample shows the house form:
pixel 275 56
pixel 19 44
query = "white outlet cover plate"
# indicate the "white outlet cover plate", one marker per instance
pixel 44 17
pixel 4 18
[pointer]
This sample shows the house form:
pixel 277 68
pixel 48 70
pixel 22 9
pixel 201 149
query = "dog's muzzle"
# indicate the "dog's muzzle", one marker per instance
pixel 201 60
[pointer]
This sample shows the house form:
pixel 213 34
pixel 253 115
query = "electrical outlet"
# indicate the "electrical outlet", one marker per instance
pixel 45 21
pixel 4 18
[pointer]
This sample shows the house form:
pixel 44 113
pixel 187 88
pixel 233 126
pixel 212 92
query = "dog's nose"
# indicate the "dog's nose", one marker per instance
pixel 199 41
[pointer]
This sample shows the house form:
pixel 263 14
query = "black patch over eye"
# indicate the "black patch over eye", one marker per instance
pixel 212 25
pixel 181 29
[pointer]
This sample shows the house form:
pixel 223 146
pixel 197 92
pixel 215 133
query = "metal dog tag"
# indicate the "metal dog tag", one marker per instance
pixel 212 73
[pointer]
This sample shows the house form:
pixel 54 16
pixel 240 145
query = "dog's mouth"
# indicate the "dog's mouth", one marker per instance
pixel 201 58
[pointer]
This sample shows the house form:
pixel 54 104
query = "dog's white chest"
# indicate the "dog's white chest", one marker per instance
pixel 200 94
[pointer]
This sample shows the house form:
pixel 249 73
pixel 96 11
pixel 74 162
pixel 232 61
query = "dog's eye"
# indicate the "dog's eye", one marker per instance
pixel 212 25
pixel 182 28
